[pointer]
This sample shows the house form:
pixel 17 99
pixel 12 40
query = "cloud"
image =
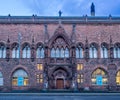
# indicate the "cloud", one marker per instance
pixel 51 7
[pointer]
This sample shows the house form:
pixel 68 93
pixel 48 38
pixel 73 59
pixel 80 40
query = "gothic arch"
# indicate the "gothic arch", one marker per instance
pixel 14 44
pixel 25 78
pixel 94 44
pixel 80 44
pixel 39 44
pixel 105 44
pixel 101 68
pixel 19 67
pixel 60 33
pixel 26 43
pixel 60 68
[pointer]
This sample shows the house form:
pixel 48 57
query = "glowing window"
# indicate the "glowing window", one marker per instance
pixel 40 67
pixel 20 78
pixel 118 78
pixel 79 67
pixel 80 78
pixel 99 77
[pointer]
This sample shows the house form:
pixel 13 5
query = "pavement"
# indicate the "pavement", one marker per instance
pixel 59 96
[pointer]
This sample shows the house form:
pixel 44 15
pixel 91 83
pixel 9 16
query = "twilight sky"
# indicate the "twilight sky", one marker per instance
pixel 51 7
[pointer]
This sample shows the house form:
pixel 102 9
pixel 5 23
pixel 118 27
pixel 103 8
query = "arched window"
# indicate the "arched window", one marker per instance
pixel 40 52
pixel 57 52
pixel 53 53
pixel 20 78
pixel 1 79
pixel 26 51
pixel 93 51
pixel 104 51
pixel 117 51
pixel 99 77
pixel 66 52
pixel 118 78
pixel 62 53
pixel 79 52
pixel 15 51
pixel 2 51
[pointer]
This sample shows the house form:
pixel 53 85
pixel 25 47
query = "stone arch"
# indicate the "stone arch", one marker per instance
pixel 69 75
pixel 20 77
pixel 105 44
pixel 14 44
pixel 81 44
pixel 58 74
pixel 26 43
pixel 38 44
pixel 94 44
pixel 2 43
pixel 117 77
pixel 99 77
pixel 60 33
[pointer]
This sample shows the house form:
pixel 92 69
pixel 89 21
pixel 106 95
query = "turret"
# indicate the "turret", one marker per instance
pixel 92 9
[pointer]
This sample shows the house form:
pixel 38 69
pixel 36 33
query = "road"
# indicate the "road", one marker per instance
pixel 40 97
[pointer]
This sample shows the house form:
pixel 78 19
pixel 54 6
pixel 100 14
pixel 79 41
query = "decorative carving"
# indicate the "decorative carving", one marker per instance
pixel 111 49
pixel 32 50
pixel 8 50
pixel 86 49
pixel 59 42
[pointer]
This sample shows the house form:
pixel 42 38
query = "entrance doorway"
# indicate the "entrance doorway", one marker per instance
pixel 60 83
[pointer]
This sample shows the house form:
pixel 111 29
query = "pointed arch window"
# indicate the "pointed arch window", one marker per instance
pixel 93 51
pixel 117 51
pixel 2 51
pixel 104 51
pixel 15 51
pixel 40 52
pixel 66 52
pixel 62 52
pixel 57 52
pixel 79 52
pixel 99 77
pixel 53 52
pixel 20 78
pixel 26 51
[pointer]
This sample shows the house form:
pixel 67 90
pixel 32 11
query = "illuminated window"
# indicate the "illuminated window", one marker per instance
pixel 20 78
pixel 118 78
pixel 99 77
pixel 40 67
pixel 80 78
pixel 40 78
pixel 79 67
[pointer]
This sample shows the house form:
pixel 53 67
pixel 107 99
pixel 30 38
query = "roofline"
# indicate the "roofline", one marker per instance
pixel 55 19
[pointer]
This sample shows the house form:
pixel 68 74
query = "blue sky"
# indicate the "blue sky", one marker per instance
pixel 51 7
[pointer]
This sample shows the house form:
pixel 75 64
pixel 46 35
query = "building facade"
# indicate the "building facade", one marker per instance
pixel 59 53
